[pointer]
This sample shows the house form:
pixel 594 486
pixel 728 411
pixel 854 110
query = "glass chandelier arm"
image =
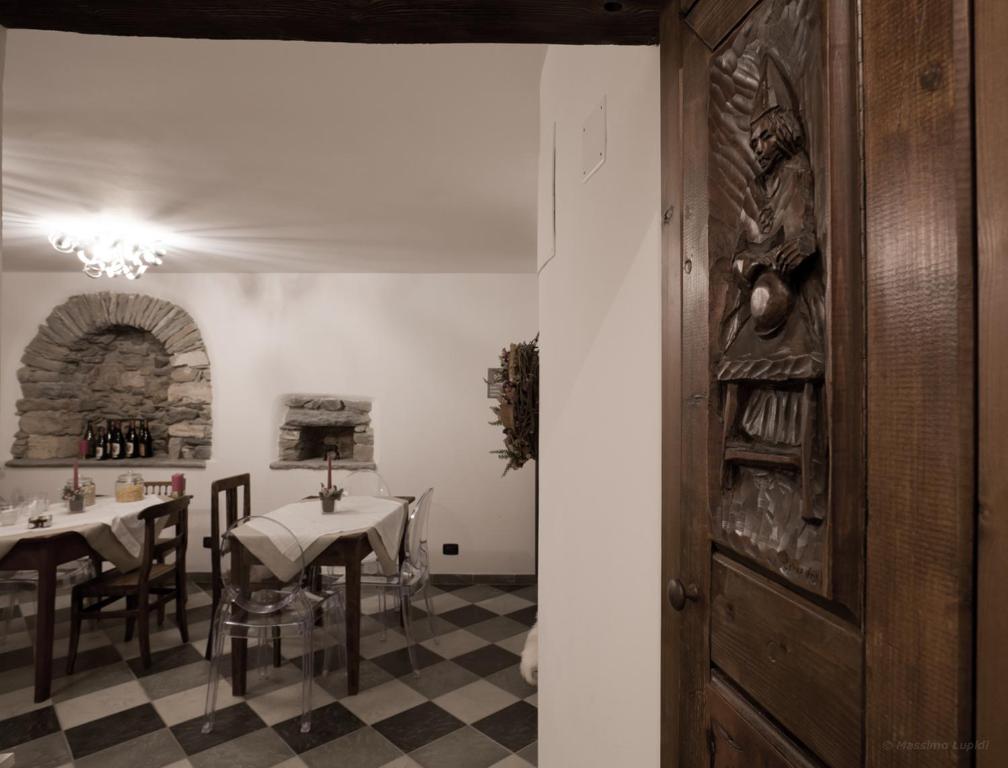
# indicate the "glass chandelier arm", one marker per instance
pixel 110 255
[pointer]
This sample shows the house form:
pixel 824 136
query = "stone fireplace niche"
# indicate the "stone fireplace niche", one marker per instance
pixel 314 426
pixel 118 356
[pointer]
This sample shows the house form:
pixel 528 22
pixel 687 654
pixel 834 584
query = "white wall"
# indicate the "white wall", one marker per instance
pixel 600 511
pixel 418 344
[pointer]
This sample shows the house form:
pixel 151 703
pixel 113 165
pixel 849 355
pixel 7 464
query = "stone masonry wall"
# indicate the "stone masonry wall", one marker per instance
pixel 118 356
pixel 326 411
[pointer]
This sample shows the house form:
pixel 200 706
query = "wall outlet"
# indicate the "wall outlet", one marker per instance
pixel 450 549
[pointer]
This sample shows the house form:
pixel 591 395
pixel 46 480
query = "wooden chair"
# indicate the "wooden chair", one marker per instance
pixel 229 486
pixel 165 581
pixel 158 487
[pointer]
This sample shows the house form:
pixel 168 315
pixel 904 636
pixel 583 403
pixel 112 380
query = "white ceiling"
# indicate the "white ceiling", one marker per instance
pixel 266 156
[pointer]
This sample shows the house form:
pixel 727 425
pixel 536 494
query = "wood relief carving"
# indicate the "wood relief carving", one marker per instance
pixel 768 291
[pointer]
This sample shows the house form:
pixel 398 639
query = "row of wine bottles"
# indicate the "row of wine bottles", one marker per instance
pixel 114 442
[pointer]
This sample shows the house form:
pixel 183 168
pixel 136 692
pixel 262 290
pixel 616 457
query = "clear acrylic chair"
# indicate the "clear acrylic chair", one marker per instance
pixel 363 482
pixel 17 584
pixel 263 610
pixel 414 573
pixel 366 482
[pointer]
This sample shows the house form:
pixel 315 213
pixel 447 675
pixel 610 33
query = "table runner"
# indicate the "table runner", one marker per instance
pixel 112 529
pixel 382 518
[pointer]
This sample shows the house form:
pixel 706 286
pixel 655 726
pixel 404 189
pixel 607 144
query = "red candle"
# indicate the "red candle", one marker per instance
pixel 329 479
pixel 76 485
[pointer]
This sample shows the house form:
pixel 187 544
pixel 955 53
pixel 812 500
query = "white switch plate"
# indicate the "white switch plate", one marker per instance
pixel 593 141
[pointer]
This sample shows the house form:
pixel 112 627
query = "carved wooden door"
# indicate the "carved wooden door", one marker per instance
pixel 769 587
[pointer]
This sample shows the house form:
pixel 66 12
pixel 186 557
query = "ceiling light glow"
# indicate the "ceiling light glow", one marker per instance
pixel 110 245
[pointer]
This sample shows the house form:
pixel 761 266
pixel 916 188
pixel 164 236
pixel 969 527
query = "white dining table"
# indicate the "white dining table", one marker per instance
pixel 381 519
pixel 363 524
pixel 112 528
pixel 109 529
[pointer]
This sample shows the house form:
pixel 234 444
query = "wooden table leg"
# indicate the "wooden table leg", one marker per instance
pixel 45 612
pixel 353 617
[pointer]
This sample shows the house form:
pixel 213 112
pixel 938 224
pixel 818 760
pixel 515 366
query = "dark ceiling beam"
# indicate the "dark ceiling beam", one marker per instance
pixel 630 22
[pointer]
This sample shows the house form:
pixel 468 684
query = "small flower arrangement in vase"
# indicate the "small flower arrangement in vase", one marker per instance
pixel 329 497
pixel 74 497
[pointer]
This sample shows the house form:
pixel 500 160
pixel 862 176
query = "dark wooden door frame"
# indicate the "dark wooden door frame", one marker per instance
pixel 611 22
pixel 921 365
pixel 991 62
pixel 673 629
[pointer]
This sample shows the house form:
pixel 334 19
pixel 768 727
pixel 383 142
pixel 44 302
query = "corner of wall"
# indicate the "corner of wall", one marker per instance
pixel 600 403
pixel 3 59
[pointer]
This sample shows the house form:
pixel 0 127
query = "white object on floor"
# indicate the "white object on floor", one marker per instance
pixel 7 760
pixel 530 656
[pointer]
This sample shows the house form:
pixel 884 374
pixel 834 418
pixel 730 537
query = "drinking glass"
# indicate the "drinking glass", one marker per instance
pixel 8 514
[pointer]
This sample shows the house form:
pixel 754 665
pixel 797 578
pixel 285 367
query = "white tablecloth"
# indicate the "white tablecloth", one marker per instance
pixel 112 528
pixel 381 518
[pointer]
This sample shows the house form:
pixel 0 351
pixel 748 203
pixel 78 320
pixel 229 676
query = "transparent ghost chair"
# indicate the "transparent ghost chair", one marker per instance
pixel 366 482
pixel 15 585
pixel 413 576
pixel 363 482
pixel 265 610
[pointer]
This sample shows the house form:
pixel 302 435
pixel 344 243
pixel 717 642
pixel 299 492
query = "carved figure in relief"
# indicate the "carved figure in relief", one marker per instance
pixel 772 333
pixel 774 330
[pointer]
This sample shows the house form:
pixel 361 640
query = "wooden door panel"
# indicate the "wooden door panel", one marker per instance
pixel 799 663
pixel 739 736
pixel 827 280
pixel 714 19
pixel 771 504
pixel 779 320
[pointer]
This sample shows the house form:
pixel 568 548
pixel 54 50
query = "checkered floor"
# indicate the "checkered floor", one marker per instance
pixel 469 708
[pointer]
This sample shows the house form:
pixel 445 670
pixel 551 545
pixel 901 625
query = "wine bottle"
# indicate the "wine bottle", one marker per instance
pixel 141 446
pixel 148 441
pixel 101 444
pixel 89 435
pixel 121 438
pixel 130 443
pixel 115 449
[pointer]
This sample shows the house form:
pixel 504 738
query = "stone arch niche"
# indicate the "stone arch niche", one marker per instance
pixel 117 356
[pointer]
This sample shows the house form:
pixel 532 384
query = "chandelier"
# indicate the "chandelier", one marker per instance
pixel 110 251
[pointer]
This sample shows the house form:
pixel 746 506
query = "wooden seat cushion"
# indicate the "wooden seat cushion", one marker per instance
pixel 117 581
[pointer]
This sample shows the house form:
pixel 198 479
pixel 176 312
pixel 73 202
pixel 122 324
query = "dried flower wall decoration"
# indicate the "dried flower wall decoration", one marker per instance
pixel 517 408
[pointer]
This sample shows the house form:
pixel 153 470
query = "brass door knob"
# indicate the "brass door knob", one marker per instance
pixel 678 594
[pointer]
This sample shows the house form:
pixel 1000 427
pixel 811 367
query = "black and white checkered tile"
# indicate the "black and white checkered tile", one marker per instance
pixel 469 708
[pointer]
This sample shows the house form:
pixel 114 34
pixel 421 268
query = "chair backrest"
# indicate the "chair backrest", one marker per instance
pixel 366 482
pixel 162 487
pixel 416 532
pixel 229 486
pixel 156 519
pixel 256 596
